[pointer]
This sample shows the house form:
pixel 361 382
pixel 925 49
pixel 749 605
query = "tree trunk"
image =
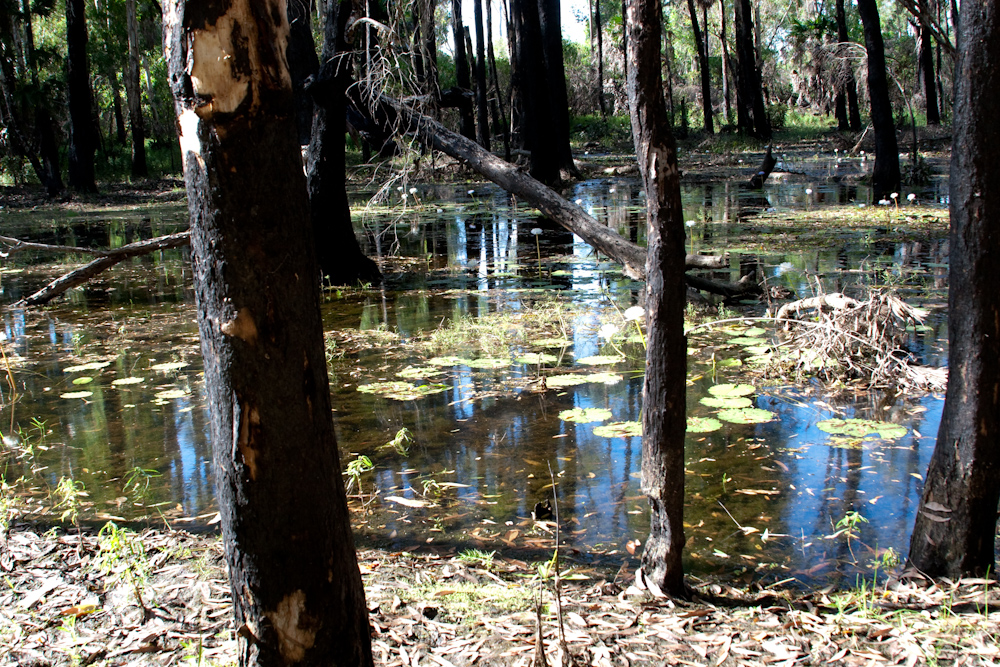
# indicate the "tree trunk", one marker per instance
pixel 725 61
pixel 885 175
pixel 926 65
pixel 482 106
pixel 850 85
pixel 462 71
pixel 701 46
pixel 116 103
pixel 302 64
pixel 134 94
pixel 556 126
pixel 955 530
pixel 297 592
pixel 500 114
pixel 598 30
pixel 337 248
pixel 663 410
pixel 750 112
pixel 82 139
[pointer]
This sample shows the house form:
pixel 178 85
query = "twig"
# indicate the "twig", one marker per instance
pixel 563 646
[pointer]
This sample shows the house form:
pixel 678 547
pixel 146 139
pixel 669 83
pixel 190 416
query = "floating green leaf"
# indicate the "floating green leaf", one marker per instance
pixel 731 390
pixel 746 415
pixel 92 366
pixel 168 366
pixel 448 361
pixel 488 363
pixel 604 378
pixel 86 379
pixel 703 425
pixel 732 402
pixel 537 358
pixel 757 349
pixel 416 372
pixel 618 430
pixel 551 342
pixel 600 359
pixel 124 381
pixel 585 415
pixel 558 381
pixel 731 361
pixel 746 341
pixel 401 391
pixel 859 428
pixel 754 332
pixel 76 394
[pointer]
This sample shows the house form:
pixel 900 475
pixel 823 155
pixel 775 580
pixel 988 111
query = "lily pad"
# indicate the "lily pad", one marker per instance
pixel 86 379
pixel 416 372
pixel 746 415
pixel 585 415
pixel 551 342
pixel 746 341
pixel 76 394
pixel 731 390
pixel 703 425
pixel 125 381
pixel 92 366
pixel 728 403
pixel 488 363
pixel 568 380
pixel 168 366
pixel 600 359
pixel 754 332
pixel 731 361
pixel 537 358
pixel 618 430
pixel 859 428
pixel 401 391
pixel 604 378
pixel 757 349
pixel 170 394
pixel 448 361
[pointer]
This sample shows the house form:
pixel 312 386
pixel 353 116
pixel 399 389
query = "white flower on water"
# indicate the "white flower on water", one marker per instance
pixel 690 223
pixel 634 313
pixel 884 202
pixel 894 195
pixel 537 231
pixel 911 197
pixel 399 188
pixel 809 191
pixel 579 202
pixel 413 191
pixel 612 189
pixel 607 331
pixel 470 192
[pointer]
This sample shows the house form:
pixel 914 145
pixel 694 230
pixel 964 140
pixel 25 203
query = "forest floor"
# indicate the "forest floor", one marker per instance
pixel 73 599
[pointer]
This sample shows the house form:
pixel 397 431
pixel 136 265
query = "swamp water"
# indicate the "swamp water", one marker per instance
pixel 505 349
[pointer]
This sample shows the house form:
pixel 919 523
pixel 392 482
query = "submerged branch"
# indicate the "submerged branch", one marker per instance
pixel 107 259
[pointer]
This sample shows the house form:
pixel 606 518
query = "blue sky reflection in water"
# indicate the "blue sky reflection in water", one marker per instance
pixel 481 450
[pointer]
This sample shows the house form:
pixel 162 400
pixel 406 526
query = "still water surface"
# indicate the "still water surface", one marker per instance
pixel 763 499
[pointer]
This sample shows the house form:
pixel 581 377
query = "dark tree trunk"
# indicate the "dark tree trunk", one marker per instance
pixel 725 61
pixel 850 86
pixel 302 64
pixel 556 126
pixel 750 112
pixel 663 410
pixel 701 45
pixel 116 104
pixel 599 37
pixel 462 78
pixel 533 98
pixel 48 151
pixel 337 248
pixel 297 592
pixel 482 106
pixel 134 94
pixel 82 135
pixel 497 106
pixel 926 65
pixel 427 50
pixel 955 530
pixel 885 175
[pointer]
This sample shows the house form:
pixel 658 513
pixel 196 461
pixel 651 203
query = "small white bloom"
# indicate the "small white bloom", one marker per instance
pixel 607 331
pixel 413 191
pixel 861 205
pixel 884 202
pixel 537 231
pixel 399 188
pixel 634 313
pixel 471 192
pixel 760 173
pixel 612 189
pixel 579 202
pixel 894 195
pixel 403 196
pixel 911 197
pixel 809 191
pixel 690 223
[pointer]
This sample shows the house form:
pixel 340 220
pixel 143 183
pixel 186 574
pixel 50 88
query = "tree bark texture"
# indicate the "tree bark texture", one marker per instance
pixel 849 86
pixel 663 411
pixel 557 125
pixel 337 248
pixel 462 78
pixel 955 529
pixel 701 45
pixel 925 47
pixel 750 112
pixel 82 139
pixel 482 106
pixel 885 175
pixel 302 63
pixel 134 94
pixel 599 58
pixel 297 592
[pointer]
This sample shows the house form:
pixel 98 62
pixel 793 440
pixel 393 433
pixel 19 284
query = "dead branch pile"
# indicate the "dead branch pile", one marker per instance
pixel 840 338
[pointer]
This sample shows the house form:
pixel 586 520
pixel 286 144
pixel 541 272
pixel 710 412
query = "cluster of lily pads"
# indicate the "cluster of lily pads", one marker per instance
pixel 734 406
pixel 84 380
pixel 619 429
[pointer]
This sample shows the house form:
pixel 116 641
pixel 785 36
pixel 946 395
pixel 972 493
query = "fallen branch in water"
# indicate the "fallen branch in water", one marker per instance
pixel 107 259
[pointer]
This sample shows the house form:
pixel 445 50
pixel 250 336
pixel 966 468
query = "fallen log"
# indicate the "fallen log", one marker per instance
pixel 108 259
